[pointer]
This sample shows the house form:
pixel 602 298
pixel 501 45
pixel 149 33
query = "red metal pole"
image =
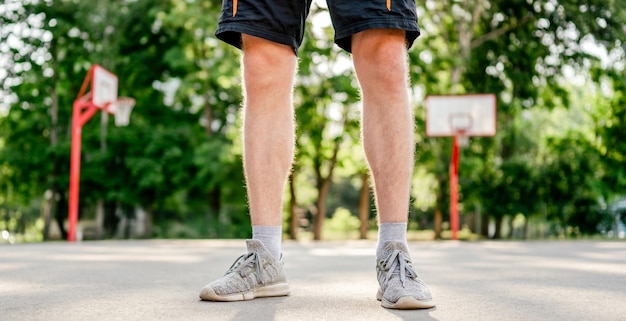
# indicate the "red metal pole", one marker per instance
pixel 454 180
pixel 84 101
pixel 74 170
pixel 78 120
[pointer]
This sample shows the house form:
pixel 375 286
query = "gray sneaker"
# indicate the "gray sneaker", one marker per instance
pixel 400 286
pixel 253 275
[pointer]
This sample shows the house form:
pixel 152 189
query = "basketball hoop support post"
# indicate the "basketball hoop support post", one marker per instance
pixel 78 120
pixel 454 188
pixel 83 109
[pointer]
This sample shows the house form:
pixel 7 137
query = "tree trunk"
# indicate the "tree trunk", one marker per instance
pixel 484 225
pixel 323 186
pixel 52 209
pixel 293 209
pixel 323 189
pixel 438 206
pixel 215 201
pixel 47 215
pixel 438 221
pixel 525 230
pixel 100 219
pixel 364 206
pixel 61 215
pixel 498 230
pixel 148 222
pixel 214 198
pixel 477 224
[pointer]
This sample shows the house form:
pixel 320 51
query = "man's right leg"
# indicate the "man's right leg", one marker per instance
pixel 268 72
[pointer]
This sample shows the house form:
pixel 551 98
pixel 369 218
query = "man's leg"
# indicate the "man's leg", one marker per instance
pixel 268 72
pixel 381 64
pixel 380 60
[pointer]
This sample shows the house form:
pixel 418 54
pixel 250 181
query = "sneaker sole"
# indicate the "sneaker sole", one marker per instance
pixel 405 303
pixel 280 289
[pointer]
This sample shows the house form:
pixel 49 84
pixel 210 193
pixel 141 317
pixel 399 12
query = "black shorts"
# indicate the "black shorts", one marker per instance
pixel 283 21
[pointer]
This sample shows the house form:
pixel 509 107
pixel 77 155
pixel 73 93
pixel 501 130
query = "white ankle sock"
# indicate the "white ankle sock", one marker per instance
pixel 270 236
pixel 390 232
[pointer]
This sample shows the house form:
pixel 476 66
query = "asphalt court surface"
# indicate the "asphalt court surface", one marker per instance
pixel 161 279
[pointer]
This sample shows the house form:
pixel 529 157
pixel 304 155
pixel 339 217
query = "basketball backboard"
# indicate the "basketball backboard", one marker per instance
pixel 465 115
pixel 103 87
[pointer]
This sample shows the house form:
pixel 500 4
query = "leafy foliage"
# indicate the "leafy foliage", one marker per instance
pixel 557 68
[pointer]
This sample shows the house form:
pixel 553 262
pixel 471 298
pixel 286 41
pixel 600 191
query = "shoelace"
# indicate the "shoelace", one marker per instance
pixel 246 260
pixel 397 263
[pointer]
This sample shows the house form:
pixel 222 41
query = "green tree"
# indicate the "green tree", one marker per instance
pixel 180 161
pixel 515 49
pixel 208 86
pixel 148 164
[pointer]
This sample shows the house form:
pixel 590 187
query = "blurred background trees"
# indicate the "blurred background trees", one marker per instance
pixel 556 168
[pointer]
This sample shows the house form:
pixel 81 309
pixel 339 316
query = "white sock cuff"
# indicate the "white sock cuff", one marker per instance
pixel 266 230
pixel 392 231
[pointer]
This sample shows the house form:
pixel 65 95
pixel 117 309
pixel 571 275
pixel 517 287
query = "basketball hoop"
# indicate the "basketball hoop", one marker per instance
pixel 459 116
pixel 121 109
pixel 461 123
pixel 101 96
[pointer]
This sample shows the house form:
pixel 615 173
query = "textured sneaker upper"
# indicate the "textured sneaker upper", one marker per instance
pixel 257 267
pixel 397 276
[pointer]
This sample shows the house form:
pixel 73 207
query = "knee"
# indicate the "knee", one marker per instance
pixel 264 61
pixel 379 45
pixel 381 55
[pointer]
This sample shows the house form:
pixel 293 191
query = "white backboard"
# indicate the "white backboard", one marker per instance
pixel 103 86
pixel 473 114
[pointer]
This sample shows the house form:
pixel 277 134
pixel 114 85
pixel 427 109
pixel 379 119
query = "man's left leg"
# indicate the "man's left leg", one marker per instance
pixel 380 60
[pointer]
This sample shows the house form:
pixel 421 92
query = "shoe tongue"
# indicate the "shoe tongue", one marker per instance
pixel 391 246
pixel 255 246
